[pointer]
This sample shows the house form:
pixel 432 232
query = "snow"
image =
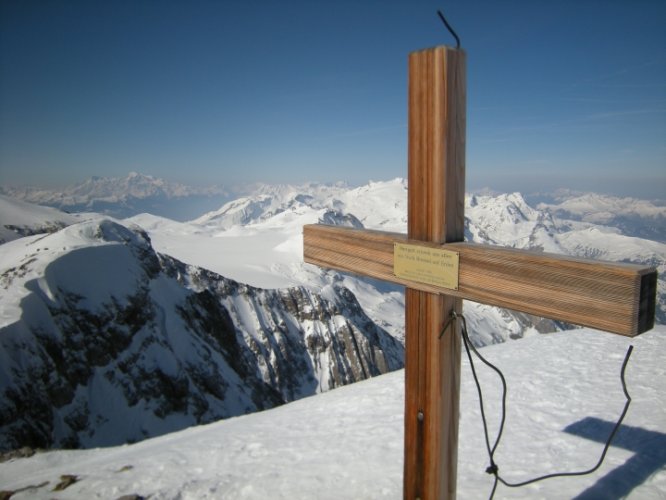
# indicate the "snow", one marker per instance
pixel 245 254
pixel 599 208
pixel 20 214
pixel 594 243
pixel 564 395
pixel 62 258
pixel 348 443
pixel 258 240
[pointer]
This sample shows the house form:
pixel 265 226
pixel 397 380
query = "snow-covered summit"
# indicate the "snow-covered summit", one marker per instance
pixel 251 210
pixel 507 220
pixel 642 218
pixel 257 239
pixel 380 205
pixel 600 208
pixel 104 341
pixel 564 396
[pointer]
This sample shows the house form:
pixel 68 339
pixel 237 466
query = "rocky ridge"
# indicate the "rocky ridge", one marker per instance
pixel 116 343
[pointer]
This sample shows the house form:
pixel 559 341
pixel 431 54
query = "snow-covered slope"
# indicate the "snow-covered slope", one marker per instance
pixel 258 239
pixel 380 205
pixel 564 396
pixel 640 218
pixel 18 218
pixel 103 341
pixel 71 289
pixel 507 220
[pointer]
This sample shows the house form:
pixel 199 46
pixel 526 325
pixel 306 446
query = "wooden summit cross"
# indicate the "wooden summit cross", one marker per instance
pixel 619 298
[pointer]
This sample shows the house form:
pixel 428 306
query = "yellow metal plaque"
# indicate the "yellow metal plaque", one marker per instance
pixel 432 266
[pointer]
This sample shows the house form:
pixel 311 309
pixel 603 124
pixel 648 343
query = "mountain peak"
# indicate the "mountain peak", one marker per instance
pixel 103 317
pixel 126 196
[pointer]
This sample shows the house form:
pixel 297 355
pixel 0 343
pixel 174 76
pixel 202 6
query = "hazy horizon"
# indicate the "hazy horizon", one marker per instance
pixel 528 187
pixel 561 94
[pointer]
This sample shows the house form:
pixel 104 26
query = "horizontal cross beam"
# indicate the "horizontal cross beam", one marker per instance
pixel 615 297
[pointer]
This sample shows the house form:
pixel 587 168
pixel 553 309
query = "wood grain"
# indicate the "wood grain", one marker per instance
pixel 615 297
pixel 436 196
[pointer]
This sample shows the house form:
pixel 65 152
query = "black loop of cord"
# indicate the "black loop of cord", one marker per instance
pixel 493 468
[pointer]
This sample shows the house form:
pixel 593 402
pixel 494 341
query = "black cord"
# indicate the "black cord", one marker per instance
pixel 468 345
pixel 448 27
pixel 493 468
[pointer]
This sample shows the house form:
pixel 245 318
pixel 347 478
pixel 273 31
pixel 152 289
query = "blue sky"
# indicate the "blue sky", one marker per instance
pixel 567 93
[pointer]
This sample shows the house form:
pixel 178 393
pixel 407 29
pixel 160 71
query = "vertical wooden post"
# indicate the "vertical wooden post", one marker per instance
pixel 436 155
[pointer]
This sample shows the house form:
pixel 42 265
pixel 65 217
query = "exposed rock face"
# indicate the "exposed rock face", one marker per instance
pixel 29 231
pixel 338 218
pixel 116 343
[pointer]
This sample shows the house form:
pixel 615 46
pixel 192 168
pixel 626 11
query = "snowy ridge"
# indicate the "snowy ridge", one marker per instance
pixel 260 237
pixel 288 329
pixel 507 220
pixel 601 208
pixel 377 204
pixel 18 219
pixel 104 341
pixel 564 395
pixel 634 217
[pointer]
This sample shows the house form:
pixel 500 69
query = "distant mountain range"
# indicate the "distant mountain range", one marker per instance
pixel 137 193
pixel 505 220
pixel 126 196
pixel 640 218
pixel 115 330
